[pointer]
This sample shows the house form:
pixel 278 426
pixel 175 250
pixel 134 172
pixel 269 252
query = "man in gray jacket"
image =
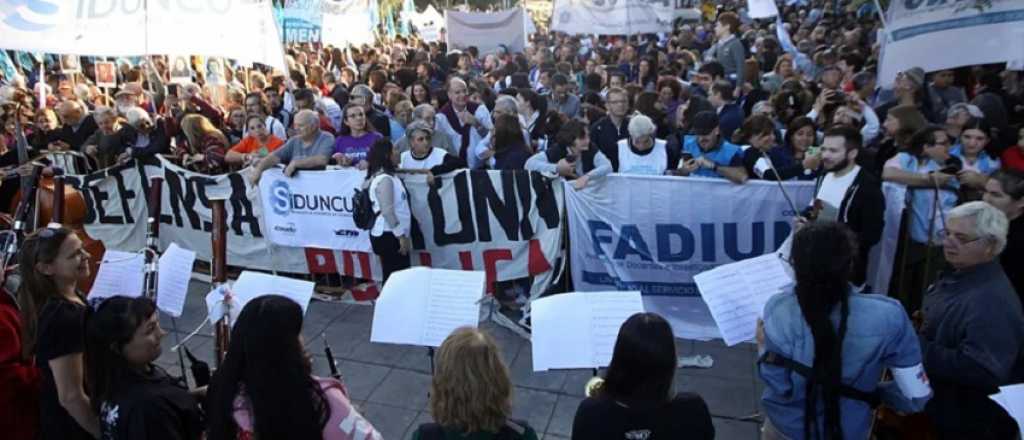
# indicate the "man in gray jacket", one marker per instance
pixel 728 49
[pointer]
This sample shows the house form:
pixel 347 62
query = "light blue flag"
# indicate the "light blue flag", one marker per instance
pixel 800 60
pixel 389 26
pixel 408 9
pixel 374 11
pixel 7 66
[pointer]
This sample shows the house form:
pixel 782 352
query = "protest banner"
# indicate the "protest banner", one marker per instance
pixel 589 17
pixel 231 28
pixel 670 10
pixel 488 31
pixel 428 23
pixel 916 27
pixel 507 224
pixel 301 21
pixel 762 8
pixel 313 209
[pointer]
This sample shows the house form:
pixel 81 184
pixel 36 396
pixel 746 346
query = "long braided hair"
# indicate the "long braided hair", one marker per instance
pixel 823 257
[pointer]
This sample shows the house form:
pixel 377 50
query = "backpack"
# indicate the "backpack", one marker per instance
pixel 512 430
pixel 363 214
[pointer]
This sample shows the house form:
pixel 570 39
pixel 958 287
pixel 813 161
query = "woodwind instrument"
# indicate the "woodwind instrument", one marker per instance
pixel 153 235
pixel 218 269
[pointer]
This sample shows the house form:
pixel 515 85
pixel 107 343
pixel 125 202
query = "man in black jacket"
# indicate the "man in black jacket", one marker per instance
pixel 851 195
pixel 78 125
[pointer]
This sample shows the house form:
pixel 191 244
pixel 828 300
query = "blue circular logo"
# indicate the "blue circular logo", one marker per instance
pixel 281 198
pixel 28 15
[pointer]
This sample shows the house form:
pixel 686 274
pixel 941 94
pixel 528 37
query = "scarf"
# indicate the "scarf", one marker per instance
pixel 453 119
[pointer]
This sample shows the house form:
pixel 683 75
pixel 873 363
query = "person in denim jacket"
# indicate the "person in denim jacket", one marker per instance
pixel 824 348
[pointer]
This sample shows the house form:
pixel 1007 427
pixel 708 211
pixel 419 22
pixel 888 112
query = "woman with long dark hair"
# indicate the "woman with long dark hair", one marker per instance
pixel 51 262
pixel 133 397
pixel 390 233
pixel 637 393
pixel 510 149
pixel 265 389
pixel 824 347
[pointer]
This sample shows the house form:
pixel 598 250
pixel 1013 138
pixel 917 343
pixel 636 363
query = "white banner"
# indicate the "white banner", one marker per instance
pixel 312 209
pixel 917 27
pixel 486 30
pixel 507 224
pixel 762 8
pixel 239 29
pixel 602 17
pixel 347 22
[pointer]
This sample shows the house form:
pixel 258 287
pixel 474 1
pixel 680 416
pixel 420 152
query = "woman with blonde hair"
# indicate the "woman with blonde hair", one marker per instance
pixel 206 145
pixel 471 393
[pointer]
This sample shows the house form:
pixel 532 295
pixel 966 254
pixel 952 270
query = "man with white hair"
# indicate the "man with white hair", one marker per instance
pixel 78 125
pixel 439 138
pixel 310 148
pixel 504 105
pixel 145 137
pixel 641 152
pixel 468 121
pixel 972 331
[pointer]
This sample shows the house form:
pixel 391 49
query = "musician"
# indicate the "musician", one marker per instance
pixel 265 388
pixel 824 349
pixel 51 261
pixel 850 194
pixel 972 335
pixel 637 394
pixel 133 397
pixel 19 377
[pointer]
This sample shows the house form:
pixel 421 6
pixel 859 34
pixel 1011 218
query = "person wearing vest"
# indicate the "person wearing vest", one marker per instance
pixel 468 121
pixel 572 156
pixel 641 152
pixel 422 157
pixel 389 236
pixel 706 154
pixel 823 348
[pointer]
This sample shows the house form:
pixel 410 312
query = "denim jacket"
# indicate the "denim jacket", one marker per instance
pixel 878 335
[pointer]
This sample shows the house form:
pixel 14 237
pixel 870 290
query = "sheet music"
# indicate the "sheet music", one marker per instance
pixel 120 274
pixel 422 306
pixel 579 329
pixel 175 272
pixel 1011 398
pixel 736 293
pixel 251 285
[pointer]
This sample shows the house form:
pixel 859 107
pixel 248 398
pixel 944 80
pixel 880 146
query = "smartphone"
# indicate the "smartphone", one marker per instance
pixel 687 157
pixel 811 151
pixel 172 89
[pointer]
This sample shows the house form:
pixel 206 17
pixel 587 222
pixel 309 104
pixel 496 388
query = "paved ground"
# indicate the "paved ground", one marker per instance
pixel 390 382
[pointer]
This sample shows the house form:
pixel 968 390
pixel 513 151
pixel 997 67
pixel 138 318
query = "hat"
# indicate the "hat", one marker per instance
pixel 419 126
pixel 129 89
pixel 704 123
pixel 915 74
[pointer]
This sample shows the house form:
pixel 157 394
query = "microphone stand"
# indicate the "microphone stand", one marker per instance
pixel 778 180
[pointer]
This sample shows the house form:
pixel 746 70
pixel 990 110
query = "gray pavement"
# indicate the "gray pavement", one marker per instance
pixel 389 383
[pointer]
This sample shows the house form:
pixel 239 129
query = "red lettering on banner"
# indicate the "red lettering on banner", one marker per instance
pixel 364 266
pixel 466 259
pixel 491 259
pixel 537 263
pixel 347 264
pixel 321 261
pixel 425 259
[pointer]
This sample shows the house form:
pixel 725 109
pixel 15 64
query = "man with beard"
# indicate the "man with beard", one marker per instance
pixel 848 194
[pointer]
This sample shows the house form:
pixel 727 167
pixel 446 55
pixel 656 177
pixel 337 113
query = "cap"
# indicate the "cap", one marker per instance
pixel 915 74
pixel 704 123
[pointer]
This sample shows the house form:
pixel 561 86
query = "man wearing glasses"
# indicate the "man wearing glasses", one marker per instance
pixel 607 131
pixel 972 328
pixel 310 148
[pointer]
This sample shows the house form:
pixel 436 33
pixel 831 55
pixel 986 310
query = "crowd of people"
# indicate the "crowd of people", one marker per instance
pixel 721 98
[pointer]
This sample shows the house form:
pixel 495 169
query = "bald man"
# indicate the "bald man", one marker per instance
pixel 468 122
pixel 77 125
pixel 310 148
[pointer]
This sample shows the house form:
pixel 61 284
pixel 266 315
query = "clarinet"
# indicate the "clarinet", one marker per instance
pixel 333 364
pixel 153 236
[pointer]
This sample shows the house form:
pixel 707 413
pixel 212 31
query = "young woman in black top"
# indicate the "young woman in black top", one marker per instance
pixel 51 262
pixel 134 398
pixel 636 398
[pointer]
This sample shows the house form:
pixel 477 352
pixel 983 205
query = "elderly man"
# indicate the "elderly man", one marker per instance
pixel 439 139
pixel 504 105
pixel 468 122
pixel 78 125
pixel 144 136
pixel 109 141
pixel 972 333
pixel 310 148
pixel 641 152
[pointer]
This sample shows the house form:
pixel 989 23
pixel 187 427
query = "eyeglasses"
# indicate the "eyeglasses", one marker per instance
pixel 959 239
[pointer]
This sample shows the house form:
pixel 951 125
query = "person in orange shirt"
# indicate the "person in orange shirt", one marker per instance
pixel 257 143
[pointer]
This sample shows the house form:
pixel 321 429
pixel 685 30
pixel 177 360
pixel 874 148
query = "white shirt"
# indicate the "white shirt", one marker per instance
pixel 653 163
pixel 833 189
pixel 401 205
pixel 433 159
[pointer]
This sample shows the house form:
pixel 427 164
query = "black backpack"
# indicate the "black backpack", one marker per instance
pixel 512 430
pixel 363 214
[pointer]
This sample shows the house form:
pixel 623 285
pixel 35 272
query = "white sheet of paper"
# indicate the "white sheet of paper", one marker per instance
pixel 422 306
pixel 1011 398
pixel 120 274
pixel 175 271
pixel 579 329
pixel 736 293
pixel 251 285
pixel 762 8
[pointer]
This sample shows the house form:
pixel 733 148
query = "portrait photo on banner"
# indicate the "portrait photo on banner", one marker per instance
pixel 181 69
pixel 70 64
pixel 106 74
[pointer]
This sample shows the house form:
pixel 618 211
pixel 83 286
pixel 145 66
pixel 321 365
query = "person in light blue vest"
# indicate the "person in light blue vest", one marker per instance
pixel 706 154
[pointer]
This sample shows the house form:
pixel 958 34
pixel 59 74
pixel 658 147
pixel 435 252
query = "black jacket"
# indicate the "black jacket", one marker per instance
pixel 863 210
